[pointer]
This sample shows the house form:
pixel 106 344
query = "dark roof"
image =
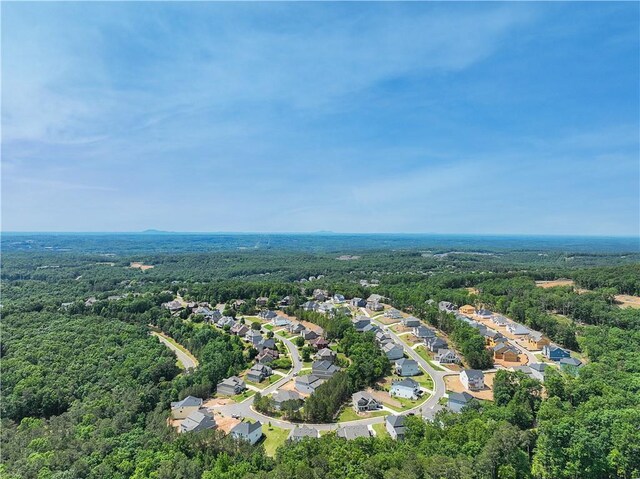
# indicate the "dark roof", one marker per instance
pixel 395 421
pixel 474 373
pixel 463 397
pixel 246 428
pixel 189 401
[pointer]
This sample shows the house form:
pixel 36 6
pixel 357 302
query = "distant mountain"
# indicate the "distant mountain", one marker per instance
pixel 157 232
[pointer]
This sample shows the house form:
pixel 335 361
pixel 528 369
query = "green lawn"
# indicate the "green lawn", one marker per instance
pixel 241 397
pixel 274 438
pixel 424 380
pixel 424 354
pixel 272 379
pixel 381 430
pixel 268 327
pixel 348 414
pixel 408 403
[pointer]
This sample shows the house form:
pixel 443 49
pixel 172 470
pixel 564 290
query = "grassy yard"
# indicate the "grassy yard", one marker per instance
pixel 424 380
pixel 348 414
pixel 267 382
pixel 241 397
pixel 268 327
pixel 274 438
pixel 381 430
pixel 424 354
pixel 408 403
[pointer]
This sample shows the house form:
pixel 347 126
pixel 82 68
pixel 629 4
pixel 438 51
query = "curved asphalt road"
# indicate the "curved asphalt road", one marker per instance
pixel 189 362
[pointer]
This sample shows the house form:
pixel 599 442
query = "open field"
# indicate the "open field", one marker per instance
pixel 140 266
pixel 627 301
pixel 555 282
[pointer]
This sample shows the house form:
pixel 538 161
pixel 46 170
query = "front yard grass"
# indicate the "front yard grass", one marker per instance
pixel 242 396
pixel 349 414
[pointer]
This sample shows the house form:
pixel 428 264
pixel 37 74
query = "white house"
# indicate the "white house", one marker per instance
pixel 247 431
pixel 395 426
pixel 472 379
pixel 405 388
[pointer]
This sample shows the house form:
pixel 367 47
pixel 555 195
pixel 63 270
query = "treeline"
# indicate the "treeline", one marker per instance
pixel 466 339
pixel 368 364
pixel 334 327
pixel 623 279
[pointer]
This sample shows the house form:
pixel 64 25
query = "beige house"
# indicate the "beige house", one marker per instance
pixel 182 409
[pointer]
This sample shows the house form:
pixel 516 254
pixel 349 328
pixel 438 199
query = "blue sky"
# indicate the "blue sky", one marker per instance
pixel 356 117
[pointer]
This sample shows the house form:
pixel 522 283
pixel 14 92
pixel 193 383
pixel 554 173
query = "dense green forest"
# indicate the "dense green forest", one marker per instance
pixel 86 389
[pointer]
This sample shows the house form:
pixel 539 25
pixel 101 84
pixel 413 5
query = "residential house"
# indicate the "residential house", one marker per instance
pixel 392 313
pixel 395 426
pixel 555 353
pixel 267 314
pixel 484 313
pixel 570 364
pixel 295 328
pixel 393 351
pixel 324 369
pixel 280 321
pixel 283 396
pixel 457 401
pixel 307 384
pixel 309 334
pixel 405 388
pixel 262 301
pixel 320 295
pixel 253 336
pixel 353 432
pixel 447 356
pixel 411 322
pixel 492 337
pixel 319 343
pixel 231 386
pixel 214 316
pixel 258 373
pixel 247 431
pixel 338 298
pixel 310 306
pixel 172 306
pixel 267 356
pixel 301 432
pixel 537 340
pixel 423 332
pixel 364 401
pixel 472 379
pixel 382 337
pixel 226 321
pixel 326 354
pixel 358 303
pixel 517 329
pixel 434 344
pixel 375 306
pixel 360 323
pixel 407 367
pixel 499 320
pixel 286 301
pixel 370 328
pixel 181 409
pixel 198 421
pixel 375 298
pixel 506 352
pixel 239 329
pixel 467 309
pixel 266 343
pixel 446 307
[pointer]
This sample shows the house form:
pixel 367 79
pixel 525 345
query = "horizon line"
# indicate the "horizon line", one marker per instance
pixel 323 232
